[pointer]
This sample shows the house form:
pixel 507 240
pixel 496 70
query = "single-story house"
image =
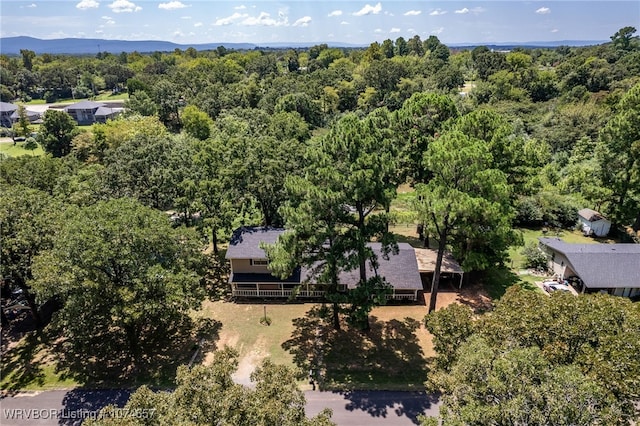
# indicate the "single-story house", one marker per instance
pixel 593 223
pixel 6 110
pixel 89 112
pixel 609 268
pixel 250 276
pixel 32 116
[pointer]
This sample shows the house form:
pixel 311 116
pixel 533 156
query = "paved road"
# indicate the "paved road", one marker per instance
pixel 355 408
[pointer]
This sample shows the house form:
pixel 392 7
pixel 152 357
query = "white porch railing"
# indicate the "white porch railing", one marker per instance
pixel 275 293
pixel 302 293
pixel 401 297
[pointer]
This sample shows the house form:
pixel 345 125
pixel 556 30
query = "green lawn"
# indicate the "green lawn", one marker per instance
pixel 11 150
pixel 531 235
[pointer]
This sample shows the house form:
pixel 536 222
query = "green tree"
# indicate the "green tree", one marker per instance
pixel 207 395
pixel 541 360
pixel 150 169
pixel 416 124
pixel 623 37
pixel 140 103
pixel 122 268
pixel 56 132
pixel 196 122
pixel 22 126
pixel 464 196
pixel 618 153
pixel 333 213
pixel 27 224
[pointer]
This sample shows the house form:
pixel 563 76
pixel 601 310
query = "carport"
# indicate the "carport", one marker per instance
pixel 426 258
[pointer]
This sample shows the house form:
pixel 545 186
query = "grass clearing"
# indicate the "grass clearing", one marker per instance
pixel 393 355
pixel 10 150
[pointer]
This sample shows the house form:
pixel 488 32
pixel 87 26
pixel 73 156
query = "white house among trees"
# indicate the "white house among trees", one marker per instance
pixel 593 223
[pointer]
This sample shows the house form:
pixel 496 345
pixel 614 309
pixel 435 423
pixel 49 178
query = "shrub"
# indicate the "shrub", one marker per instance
pixel 534 257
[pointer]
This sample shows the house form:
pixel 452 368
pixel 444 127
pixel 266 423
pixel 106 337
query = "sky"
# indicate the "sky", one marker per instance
pixel 355 22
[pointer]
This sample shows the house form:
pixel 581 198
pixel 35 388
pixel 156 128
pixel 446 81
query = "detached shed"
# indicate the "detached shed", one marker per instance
pixel 427 263
pixel 593 223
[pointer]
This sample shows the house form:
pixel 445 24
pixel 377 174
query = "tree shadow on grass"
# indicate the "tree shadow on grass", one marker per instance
pixel 388 356
pixel 106 364
pixel 21 364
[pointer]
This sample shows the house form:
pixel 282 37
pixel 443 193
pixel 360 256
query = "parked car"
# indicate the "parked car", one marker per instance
pixel 552 286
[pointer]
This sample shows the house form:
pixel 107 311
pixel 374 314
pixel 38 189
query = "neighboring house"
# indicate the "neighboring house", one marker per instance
pixel 89 112
pixel 32 116
pixel 250 276
pixel 593 223
pixel 6 110
pixel 610 268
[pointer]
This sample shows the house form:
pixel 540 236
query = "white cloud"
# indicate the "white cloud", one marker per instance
pixel 230 19
pixel 106 18
pixel 172 5
pixel 197 24
pixel 302 22
pixel 411 30
pixel 438 12
pixel 462 11
pixel 84 5
pixel 185 17
pixel 437 30
pixel 555 30
pixel 413 13
pixel 241 7
pixel 178 33
pixel 99 32
pixel 344 23
pixel 543 11
pixel 265 20
pixel 377 31
pixel 394 30
pixel 335 13
pixel 386 12
pixel 368 10
pixel 120 6
pixel 32 5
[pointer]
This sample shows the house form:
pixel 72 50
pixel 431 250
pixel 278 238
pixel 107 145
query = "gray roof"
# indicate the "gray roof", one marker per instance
pixel 7 107
pixel 401 270
pixel 245 242
pixel 601 265
pixel 590 215
pixel 106 111
pixel 84 105
pixel 28 113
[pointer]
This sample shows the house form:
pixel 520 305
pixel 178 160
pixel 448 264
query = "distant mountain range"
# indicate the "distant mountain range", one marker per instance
pixel 79 46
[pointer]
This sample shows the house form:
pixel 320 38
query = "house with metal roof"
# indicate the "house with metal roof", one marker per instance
pixel 593 223
pixel 608 268
pixel 6 109
pixel 250 275
pixel 89 112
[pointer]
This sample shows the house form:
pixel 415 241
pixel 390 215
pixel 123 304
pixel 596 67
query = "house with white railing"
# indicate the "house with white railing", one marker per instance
pixel 251 278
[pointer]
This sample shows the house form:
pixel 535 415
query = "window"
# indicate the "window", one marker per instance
pixel 258 262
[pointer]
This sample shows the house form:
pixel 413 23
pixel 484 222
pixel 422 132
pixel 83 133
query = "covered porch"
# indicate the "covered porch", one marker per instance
pixel 427 264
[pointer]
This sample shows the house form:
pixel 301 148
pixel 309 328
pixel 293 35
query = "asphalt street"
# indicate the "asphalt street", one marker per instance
pixel 353 408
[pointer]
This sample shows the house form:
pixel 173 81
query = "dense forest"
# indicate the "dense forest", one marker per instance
pixel 316 140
